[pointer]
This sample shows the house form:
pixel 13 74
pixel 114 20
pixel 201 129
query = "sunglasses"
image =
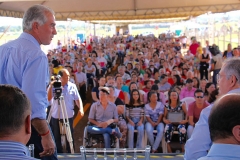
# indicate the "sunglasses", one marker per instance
pixel 199 96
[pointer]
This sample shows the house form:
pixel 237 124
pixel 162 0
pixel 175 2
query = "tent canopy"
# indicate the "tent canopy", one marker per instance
pixel 93 10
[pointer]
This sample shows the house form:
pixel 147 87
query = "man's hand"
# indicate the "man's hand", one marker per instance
pixel 47 141
pixel 103 125
pixel 81 112
pixel 48 146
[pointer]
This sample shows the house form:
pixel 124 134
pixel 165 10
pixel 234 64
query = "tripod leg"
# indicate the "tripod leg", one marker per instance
pixel 66 124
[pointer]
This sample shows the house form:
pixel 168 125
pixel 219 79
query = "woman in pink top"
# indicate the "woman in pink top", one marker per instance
pixel 194 110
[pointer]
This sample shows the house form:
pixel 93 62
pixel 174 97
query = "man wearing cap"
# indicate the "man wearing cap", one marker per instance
pixel 189 90
pixel 102 115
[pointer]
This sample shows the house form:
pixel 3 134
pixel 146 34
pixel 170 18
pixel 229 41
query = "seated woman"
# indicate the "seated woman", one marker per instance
pixel 132 85
pixel 134 115
pixel 194 110
pixel 154 113
pixel 121 120
pixel 175 106
pixel 161 96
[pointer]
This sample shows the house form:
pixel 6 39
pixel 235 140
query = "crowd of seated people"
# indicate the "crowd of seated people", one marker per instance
pixel 154 76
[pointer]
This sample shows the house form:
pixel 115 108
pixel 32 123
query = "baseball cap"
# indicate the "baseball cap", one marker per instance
pixel 104 89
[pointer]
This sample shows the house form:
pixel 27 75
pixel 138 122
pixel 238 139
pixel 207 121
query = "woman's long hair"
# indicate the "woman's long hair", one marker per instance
pixel 132 101
pixel 213 96
pixel 178 82
pixel 207 86
pixel 129 88
pixel 169 95
pixel 198 82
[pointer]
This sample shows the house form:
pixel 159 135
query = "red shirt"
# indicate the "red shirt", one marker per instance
pixel 193 48
pixel 194 111
pixel 89 48
pixel 170 81
pixel 121 95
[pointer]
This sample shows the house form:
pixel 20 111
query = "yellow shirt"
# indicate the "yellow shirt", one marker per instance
pixel 199 50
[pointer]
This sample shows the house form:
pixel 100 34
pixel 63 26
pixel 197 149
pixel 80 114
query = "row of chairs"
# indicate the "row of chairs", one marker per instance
pixel 89 140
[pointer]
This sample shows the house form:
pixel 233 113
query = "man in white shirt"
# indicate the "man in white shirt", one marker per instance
pixel 70 93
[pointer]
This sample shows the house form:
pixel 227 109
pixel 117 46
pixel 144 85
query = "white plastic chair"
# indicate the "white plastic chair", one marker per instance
pixel 188 100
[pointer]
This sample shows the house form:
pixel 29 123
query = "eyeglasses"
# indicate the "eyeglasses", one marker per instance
pixel 219 76
pixel 199 96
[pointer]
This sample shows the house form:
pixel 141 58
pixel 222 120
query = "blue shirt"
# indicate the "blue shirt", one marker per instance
pixel 70 93
pixel 223 152
pixel 200 141
pixel 14 151
pixel 154 113
pixel 24 65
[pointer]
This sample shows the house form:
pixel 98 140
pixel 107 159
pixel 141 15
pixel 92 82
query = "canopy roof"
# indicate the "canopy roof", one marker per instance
pixel 95 10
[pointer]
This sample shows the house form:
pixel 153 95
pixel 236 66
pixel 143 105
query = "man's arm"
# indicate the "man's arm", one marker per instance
pixel 78 100
pixel 200 141
pixel 80 106
pixel 34 85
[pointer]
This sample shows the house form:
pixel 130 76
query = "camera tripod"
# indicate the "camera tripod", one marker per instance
pixel 64 126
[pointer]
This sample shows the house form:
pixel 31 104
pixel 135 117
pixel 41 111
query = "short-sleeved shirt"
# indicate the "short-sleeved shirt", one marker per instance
pixel 217 60
pixel 87 69
pixel 99 114
pixel 154 113
pixel 194 111
pixel 70 93
pixel 166 86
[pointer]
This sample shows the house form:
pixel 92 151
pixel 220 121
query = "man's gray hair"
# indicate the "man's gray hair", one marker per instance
pixel 232 67
pixel 36 13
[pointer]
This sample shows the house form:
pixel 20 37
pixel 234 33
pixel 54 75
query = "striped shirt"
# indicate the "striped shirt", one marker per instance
pixel 10 150
pixel 134 111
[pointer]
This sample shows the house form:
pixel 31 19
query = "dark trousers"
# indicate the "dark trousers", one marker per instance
pixel 203 72
pixel 121 56
pixel 82 92
pixel 36 140
pixel 56 132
